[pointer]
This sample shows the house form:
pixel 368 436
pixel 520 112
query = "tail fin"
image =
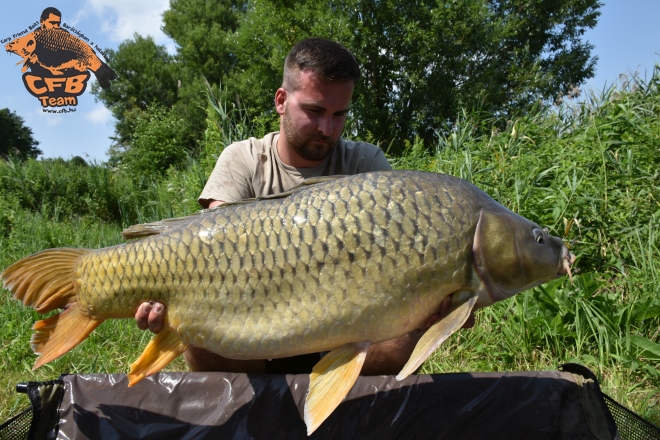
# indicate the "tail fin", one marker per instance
pixel 45 281
pixel 104 75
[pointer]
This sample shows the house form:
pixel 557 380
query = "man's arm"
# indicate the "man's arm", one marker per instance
pixel 215 203
pixel 231 178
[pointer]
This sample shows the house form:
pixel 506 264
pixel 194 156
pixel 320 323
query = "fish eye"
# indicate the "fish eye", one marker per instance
pixel 538 235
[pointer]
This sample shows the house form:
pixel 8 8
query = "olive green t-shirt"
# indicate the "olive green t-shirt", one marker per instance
pixel 252 168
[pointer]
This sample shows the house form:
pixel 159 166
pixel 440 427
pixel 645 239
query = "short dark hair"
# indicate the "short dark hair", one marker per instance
pixel 50 10
pixel 329 61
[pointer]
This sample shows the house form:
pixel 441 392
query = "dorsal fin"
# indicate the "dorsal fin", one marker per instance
pixel 155 228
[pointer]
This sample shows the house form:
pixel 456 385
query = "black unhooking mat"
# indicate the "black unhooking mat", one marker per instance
pixel 564 404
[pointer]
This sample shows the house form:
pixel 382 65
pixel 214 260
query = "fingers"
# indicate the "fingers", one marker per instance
pixel 142 315
pixel 442 311
pixel 156 317
pixel 150 316
pixel 444 308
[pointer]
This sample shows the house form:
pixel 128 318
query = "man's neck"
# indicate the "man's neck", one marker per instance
pixel 289 157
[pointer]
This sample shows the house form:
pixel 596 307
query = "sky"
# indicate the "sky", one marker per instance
pixel 626 39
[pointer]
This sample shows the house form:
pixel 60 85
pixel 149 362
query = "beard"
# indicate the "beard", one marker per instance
pixel 306 145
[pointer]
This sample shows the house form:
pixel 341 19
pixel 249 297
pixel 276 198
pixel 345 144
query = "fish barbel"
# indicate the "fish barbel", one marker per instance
pixel 333 266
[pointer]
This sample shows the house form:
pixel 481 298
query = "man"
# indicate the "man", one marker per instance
pixel 313 102
pixel 50 18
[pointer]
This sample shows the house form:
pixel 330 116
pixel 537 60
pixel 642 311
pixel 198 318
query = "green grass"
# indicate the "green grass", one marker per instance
pixel 588 172
pixel 109 349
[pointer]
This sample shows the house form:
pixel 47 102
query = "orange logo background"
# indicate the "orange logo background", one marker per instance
pixel 58 62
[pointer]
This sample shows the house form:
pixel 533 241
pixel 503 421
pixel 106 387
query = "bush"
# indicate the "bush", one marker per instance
pixel 588 171
pixel 61 188
pixel 157 144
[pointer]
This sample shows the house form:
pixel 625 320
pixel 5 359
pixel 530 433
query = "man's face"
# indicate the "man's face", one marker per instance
pixel 52 22
pixel 313 116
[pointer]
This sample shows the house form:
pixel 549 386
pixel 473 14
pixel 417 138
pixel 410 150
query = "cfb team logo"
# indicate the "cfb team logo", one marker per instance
pixel 56 64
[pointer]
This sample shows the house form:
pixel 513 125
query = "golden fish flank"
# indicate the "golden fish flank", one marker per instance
pixel 313 277
pixel 333 267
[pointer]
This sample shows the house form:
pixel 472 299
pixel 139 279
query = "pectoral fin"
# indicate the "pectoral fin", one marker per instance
pixel 331 380
pixel 161 350
pixel 437 334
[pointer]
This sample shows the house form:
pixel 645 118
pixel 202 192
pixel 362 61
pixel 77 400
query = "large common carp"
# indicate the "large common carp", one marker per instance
pixel 332 266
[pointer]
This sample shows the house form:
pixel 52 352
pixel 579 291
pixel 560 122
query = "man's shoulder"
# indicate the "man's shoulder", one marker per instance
pixel 361 157
pixel 359 146
pixel 252 145
pixel 236 173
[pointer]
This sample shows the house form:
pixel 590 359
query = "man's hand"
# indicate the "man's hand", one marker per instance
pixel 215 203
pixel 150 315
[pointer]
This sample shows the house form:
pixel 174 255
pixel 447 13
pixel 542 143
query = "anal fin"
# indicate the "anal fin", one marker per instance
pixel 161 350
pixel 58 334
pixel 331 380
pixel 437 334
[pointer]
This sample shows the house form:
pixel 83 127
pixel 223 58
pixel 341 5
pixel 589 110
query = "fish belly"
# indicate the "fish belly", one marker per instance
pixel 358 259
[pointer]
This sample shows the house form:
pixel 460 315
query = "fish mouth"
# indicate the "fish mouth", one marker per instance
pixel 567 260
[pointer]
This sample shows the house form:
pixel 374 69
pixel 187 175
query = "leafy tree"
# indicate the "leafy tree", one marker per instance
pixel 15 137
pixel 150 77
pixel 203 31
pixel 424 60
pixel 157 144
pixel 421 60
pixel 147 76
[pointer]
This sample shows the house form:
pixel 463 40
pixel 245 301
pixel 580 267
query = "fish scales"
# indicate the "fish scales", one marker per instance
pixel 57 39
pixel 328 265
pixel 52 44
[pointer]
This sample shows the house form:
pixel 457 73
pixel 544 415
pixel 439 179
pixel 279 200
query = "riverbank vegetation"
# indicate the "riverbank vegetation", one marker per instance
pixel 587 171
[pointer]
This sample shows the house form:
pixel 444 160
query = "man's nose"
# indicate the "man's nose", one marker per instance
pixel 325 125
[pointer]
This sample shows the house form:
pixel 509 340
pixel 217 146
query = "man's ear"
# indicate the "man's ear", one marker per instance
pixel 280 100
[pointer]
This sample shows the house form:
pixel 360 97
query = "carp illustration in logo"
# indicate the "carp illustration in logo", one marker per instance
pixel 58 62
